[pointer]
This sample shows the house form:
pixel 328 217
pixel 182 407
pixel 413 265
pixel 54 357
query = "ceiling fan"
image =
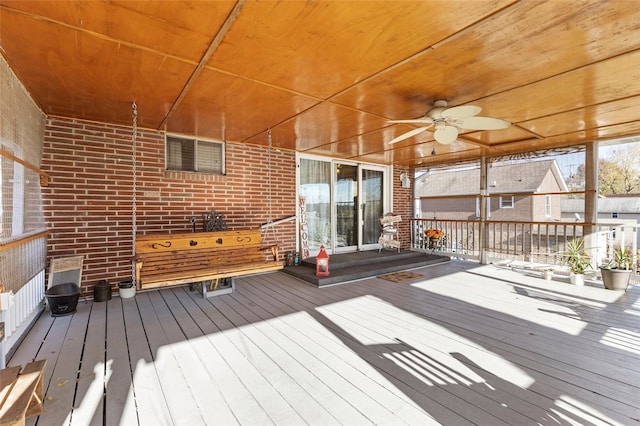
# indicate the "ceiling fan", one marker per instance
pixel 447 120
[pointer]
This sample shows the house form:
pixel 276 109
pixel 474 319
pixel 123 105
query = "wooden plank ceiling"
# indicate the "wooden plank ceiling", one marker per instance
pixel 325 76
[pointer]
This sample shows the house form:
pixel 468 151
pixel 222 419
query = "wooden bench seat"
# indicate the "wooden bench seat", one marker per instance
pixel 175 259
pixel 21 393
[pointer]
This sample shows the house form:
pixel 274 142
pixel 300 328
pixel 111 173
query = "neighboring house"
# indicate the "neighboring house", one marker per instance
pixel 524 191
pixel 621 210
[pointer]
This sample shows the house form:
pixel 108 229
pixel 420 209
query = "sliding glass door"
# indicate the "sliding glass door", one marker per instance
pixel 343 204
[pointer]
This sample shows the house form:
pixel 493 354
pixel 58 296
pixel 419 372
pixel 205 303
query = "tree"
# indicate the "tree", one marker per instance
pixel 620 172
pixel 575 180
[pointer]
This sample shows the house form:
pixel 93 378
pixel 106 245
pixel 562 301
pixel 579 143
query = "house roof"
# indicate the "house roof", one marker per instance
pixel 630 204
pixel 523 177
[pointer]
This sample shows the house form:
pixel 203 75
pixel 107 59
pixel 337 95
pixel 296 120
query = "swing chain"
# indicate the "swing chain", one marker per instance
pixel 270 220
pixel 134 207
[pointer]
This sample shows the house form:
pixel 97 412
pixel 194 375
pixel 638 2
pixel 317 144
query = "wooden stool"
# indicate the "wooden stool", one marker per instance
pixel 21 393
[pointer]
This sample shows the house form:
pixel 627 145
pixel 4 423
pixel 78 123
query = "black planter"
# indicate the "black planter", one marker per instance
pixel 102 291
pixel 615 279
pixel 63 299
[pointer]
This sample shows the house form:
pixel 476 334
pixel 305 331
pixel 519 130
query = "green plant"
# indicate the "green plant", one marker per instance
pixel 622 259
pixel 575 256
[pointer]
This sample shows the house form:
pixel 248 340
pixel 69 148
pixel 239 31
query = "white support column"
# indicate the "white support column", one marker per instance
pixel 484 184
pixel 591 199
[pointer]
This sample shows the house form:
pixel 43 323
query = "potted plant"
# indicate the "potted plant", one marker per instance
pixel 434 236
pixel 617 272
pixel 578 260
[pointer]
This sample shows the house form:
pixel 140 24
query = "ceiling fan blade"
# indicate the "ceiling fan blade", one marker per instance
pixel 462 111
pixel 446 134
pixel 408 134
pixel 482 123
pixel 422 121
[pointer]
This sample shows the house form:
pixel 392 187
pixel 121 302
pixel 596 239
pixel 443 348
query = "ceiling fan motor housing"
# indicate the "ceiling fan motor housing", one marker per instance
pixel 436 111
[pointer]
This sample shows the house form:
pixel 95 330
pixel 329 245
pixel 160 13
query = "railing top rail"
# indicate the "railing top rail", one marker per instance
pixel 416 219
pixel 508 222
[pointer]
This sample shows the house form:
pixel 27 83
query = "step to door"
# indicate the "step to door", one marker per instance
pixel 355 266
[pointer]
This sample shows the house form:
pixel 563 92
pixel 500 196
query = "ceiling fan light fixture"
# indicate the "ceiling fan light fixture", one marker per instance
pixel 446 134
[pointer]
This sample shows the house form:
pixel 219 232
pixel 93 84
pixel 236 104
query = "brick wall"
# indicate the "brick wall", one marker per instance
pixel 402 205
pixel 88 203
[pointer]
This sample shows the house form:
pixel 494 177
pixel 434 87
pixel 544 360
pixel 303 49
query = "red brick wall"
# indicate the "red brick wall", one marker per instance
pixel 402 205
pixel 88 203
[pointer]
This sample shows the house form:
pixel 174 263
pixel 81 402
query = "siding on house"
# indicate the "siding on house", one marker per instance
pixel 521 210
pixel 449 208
pixel 626 206
pixel 522 181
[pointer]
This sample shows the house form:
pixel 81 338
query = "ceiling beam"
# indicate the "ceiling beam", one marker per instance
pixel 224 29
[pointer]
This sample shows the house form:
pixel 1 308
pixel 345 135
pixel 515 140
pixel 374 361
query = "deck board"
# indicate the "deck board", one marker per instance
pixel 149 396
pixel 271 340
pixel 167 343
pixel 60 386
pixel 331 353
pixel 532 357
pixel 194 357
pixel 32 342
pixel 241 406
pixel 89 398
pixel 281 369
pixel 119 402
pixel 462 345
pixel 246 366
pixel 377 345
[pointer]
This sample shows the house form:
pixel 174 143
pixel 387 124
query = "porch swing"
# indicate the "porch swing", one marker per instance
pixel 163 260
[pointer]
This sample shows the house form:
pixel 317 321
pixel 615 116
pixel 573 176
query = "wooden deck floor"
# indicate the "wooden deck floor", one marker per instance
pixel 464 344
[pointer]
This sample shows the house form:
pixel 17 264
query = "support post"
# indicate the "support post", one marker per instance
pixel 484 235
pixel 591 199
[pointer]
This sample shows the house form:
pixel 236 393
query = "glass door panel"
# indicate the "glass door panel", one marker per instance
pixel 372 206
pixel 346 207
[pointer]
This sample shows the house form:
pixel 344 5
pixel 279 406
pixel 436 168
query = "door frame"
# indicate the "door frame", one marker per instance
pixel 387 194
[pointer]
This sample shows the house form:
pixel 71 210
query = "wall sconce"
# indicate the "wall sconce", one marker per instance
pixel 405 182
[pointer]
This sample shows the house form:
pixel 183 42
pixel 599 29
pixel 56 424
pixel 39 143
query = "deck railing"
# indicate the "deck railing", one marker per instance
pixel 536 242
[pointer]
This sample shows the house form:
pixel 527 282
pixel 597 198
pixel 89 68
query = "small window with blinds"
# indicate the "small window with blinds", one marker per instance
pixel 194 155
pixel 506 202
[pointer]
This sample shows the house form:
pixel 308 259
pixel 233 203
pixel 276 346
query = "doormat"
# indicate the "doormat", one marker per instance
pixel 398 277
